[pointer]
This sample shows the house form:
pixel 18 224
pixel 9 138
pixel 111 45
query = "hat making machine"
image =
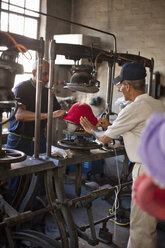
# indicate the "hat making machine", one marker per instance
pixel 84 79
pixel 15 163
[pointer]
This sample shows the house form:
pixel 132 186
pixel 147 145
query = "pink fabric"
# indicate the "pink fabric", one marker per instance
pixel 149 191
pixel 80 109
pixel 149 196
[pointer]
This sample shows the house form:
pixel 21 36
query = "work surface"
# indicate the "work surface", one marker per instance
pixel 33 165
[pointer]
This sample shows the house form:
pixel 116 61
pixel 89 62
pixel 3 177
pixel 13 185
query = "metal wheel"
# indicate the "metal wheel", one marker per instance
pixel 11 156
pixel 33 239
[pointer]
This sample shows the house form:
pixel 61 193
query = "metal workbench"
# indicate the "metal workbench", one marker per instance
pixel 53 170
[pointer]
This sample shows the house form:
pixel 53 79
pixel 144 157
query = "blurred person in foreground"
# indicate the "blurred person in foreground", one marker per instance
pixel 149 189
pixel 130 123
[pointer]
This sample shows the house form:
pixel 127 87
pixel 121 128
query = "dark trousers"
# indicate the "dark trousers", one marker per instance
pixel 26 146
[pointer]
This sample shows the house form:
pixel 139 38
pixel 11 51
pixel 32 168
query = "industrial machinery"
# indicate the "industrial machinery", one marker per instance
pixel 77 139
pixel 84 79
pixel 8 69
pixel 10 216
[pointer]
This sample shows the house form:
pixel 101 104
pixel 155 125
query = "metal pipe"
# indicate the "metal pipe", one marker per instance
pixel 78 179
pixel 38 108
pixel 50 98
pixel 109 90
pixel 0 8
pixel 25 216
pixel 150 83
pixel 38 103
pixel 109 93
pixel 59 186
pixel 91 223
pixel 111 87
pixel 151 78
pixel 0 133
pixel 93 195
pixel 103 220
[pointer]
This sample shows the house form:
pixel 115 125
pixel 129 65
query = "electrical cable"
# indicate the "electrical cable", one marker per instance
pixel 116 204
pixel 118 187
pixel 18 46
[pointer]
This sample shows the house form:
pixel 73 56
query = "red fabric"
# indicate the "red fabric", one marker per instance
pixel 80 109
pixel 149 196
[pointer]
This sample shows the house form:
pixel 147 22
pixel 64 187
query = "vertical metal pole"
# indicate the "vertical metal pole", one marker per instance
pixel 0 13
pixel 38 103
pixel 150 83
pixel 151 78
pixel 68 217
pixel 0 132
pixel 78 178
pixel 108 93
pixel 50 98
pixel 109 96
pixel 38 108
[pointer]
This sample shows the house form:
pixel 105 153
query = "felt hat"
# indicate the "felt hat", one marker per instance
pixel 131 71
pixel 149 196
pixel 80 109
pixel 152 148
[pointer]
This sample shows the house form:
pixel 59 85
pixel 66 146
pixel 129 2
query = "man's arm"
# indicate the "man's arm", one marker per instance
pixel 89 128
pixel 59 113
pixel 100 135
pixel 25 115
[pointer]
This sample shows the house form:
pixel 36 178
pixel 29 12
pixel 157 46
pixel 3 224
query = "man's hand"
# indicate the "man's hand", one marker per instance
pixel 104 123
pixel 87 125
pixel 89 128
pixel 59 113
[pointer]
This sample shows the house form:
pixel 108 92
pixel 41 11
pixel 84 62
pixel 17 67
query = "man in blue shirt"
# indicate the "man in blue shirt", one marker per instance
pixel 21 127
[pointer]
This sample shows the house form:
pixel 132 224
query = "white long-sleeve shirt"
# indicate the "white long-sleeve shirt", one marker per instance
pixel 131 121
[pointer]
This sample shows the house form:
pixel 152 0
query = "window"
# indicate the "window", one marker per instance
pixel 23 22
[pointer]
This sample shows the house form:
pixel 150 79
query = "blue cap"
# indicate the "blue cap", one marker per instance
pixel 131 71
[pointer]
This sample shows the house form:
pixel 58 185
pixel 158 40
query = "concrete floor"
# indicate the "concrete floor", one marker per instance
pixel 100 209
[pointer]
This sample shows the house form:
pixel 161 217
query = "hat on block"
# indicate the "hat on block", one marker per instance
pixel 80 110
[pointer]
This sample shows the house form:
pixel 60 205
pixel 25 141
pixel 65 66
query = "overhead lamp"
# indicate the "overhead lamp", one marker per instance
pixel 83 79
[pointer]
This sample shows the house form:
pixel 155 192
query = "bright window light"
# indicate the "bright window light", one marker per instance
pixel 16 24
pixel 30 28
pixel 33 5
pixel 5 5
pixel 17 9
pixel 24 24
pixel 4 23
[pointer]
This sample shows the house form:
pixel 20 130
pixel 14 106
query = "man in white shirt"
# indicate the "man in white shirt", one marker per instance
pixel 130 123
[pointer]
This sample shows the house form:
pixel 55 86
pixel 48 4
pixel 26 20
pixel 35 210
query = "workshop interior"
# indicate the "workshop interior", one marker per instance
pixel 86 183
